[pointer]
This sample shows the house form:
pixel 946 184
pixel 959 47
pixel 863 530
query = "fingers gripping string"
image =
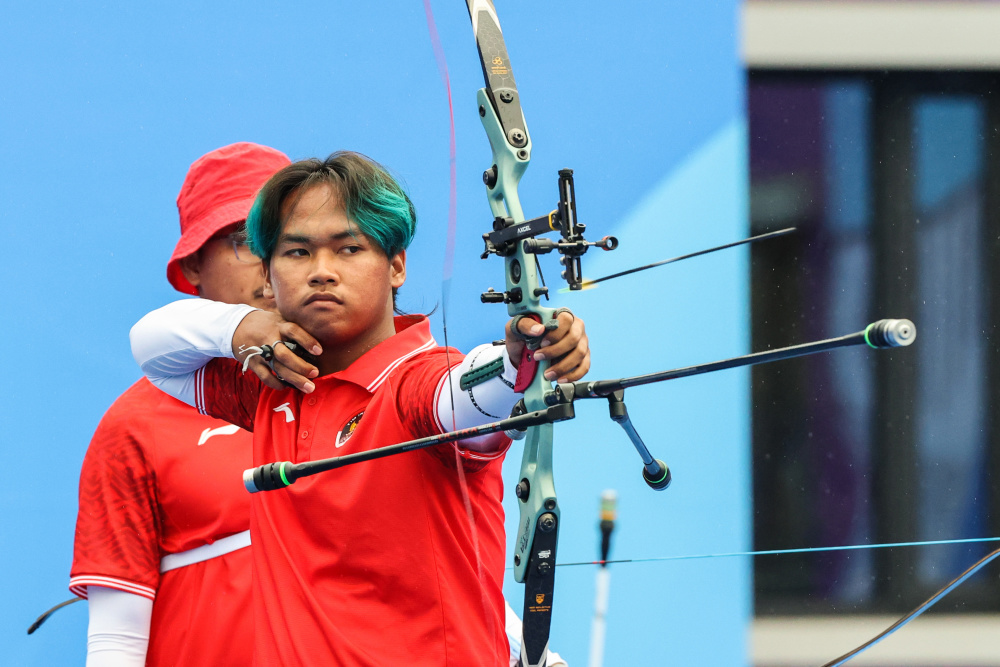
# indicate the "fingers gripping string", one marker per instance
pixel 250 352
pixel 265 352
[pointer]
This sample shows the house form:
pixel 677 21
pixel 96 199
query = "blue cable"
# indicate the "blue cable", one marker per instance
pixel 773 552
pixel 927 604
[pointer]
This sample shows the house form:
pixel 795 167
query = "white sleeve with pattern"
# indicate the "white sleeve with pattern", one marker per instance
pixel 483 403
pixel 118 632
pixel 171 343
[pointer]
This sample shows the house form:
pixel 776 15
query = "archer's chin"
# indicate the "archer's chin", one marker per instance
pixel 326 330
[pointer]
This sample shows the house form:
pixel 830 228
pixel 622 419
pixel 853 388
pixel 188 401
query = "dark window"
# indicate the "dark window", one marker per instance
pixel 893 182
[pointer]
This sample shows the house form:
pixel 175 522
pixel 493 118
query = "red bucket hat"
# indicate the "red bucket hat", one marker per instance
pixel 218 191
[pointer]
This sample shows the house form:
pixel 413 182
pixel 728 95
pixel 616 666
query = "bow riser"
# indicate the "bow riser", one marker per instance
pixel 503 198
pixel 536 464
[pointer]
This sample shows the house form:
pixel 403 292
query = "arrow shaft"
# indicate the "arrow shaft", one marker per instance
pixel 752 239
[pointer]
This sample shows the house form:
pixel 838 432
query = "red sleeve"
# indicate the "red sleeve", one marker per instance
pixel 418 384
pixel 117 527
pixel 224 391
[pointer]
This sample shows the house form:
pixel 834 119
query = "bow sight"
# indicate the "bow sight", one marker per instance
pixel 507 233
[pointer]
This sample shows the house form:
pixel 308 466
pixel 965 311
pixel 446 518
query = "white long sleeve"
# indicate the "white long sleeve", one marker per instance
pixel 118 632
pixel 174 341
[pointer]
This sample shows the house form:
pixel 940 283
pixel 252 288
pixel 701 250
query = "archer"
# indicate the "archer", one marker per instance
pixel 380 565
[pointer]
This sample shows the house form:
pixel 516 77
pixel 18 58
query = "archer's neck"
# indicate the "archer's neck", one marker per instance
pixel 338 355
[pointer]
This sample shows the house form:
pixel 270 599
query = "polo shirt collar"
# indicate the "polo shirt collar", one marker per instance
pixel 370 370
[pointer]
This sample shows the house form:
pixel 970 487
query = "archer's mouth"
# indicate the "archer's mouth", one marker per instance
pixel 323 297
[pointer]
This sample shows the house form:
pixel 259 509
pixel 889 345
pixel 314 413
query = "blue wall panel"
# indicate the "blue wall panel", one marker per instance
pixel 103 108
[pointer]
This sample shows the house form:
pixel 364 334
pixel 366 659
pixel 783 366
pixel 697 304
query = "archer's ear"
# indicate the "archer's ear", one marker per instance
pixel 397 269
pixel 268 290
pixel 191 268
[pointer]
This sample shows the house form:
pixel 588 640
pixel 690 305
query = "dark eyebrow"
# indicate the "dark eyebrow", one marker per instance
pixel 294 238
pixel 304 239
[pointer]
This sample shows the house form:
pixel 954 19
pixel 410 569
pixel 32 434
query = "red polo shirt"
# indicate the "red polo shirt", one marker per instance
pixel 160 479
pixel 375 563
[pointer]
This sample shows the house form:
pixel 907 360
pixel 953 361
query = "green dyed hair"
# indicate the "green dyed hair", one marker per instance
pixel 373 199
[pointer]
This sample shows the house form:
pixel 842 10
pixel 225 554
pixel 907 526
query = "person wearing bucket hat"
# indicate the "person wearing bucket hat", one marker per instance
pixel 161 536
pixel 163 528
pixel 216 196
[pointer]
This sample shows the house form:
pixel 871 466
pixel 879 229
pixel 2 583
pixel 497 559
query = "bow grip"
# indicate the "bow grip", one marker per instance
pixel 528 367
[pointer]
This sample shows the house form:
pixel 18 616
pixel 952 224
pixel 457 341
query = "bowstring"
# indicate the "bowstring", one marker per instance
pixel 449 255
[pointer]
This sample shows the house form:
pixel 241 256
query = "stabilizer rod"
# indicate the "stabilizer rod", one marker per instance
pixel 878 335
pixel 271 476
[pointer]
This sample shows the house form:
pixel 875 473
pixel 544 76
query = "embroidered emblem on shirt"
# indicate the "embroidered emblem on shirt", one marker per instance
pixel 289 417
pixel 228 429
pixel 348 430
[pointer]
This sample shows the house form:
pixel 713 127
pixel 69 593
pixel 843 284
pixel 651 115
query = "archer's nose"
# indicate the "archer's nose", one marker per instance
pixel 323 270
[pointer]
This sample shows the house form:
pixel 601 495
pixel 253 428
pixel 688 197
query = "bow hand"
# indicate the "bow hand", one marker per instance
pixel 562 341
